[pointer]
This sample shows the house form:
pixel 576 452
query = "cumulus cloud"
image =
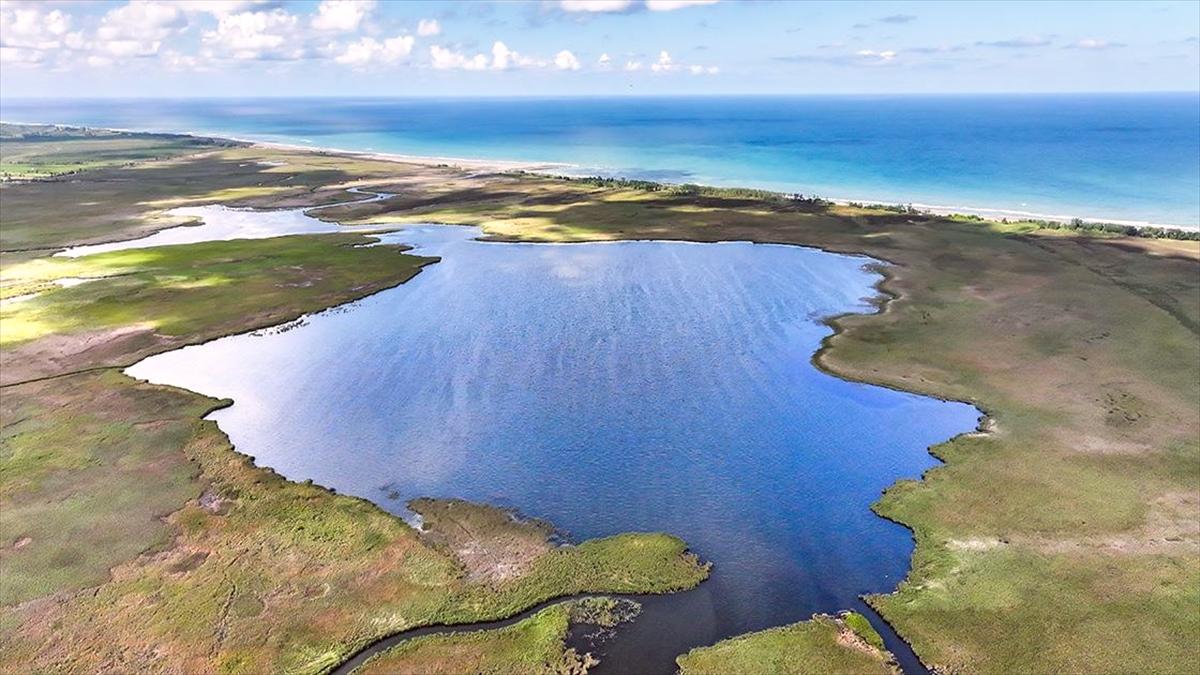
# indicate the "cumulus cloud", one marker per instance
pixel 30 35
pixel 428 27
pixel 565 60
pixel 665 63
pixel 341 16
pixel 604 62
pixel 138 28
pixel 261 35
pixel 502 58
pixel 217 8
pixel 369 51
pixel 444 58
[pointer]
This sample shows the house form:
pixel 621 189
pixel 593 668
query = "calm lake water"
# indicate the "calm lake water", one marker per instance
pixel 1132 157
pixel 606 388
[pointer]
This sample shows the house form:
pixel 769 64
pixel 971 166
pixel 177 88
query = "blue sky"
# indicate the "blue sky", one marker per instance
pixel 604 47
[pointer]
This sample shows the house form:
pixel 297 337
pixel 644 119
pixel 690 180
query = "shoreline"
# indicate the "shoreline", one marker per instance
pixel 547 168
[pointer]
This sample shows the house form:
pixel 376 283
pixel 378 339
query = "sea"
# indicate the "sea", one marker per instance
pixel 1127 158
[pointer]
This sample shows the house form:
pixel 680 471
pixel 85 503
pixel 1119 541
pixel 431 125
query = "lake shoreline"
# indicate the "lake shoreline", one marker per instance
pixel 875 267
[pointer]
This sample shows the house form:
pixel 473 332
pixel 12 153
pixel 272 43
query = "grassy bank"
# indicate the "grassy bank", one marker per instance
pixel 844 645
pixel 1066 539
pixel 533 646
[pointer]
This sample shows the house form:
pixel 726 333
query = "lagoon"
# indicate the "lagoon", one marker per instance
pixel 607 388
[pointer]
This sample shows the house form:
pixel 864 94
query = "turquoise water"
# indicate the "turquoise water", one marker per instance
pixel 635 386
pixel 1115 157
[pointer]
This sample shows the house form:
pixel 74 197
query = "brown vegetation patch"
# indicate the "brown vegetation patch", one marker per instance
pixel 494 545
pixel 70 352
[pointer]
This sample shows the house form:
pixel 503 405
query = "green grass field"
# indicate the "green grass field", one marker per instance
pixel 31 152
pixel 845 645
pixel 533 646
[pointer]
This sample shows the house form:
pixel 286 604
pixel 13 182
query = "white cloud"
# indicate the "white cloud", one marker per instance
pixel 341 15
pixel 501 55
pixel 604 62
pixel 260 35
pixel 444 58
pixel 664 63
pixel 428 27
pixel 217 8
pixel 872 55
pixel 565 60
pixel 595 6
pixel 31 36
pixel 369 51
pixel 138 28
pixel 1090 43
pixel 672 5
pixel 502 58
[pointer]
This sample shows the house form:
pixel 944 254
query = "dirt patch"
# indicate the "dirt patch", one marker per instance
pixel 188 562
pixel 493 545
pixel 213 503
pixel 1171 526
pixel 64 353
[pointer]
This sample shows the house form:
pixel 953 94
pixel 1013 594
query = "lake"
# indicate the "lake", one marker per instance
pixel 605 387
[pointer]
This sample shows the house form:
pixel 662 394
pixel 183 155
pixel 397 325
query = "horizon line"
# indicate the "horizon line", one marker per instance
pixel 1195 92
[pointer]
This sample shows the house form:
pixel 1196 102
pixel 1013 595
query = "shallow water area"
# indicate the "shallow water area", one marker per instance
pixel 632 386
pixel 215 222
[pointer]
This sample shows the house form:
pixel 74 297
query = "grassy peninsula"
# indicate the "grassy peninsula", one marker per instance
pixel 1065 537
pixel 843 644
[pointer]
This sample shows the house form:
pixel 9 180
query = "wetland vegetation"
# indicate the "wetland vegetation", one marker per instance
pixel 1065 538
